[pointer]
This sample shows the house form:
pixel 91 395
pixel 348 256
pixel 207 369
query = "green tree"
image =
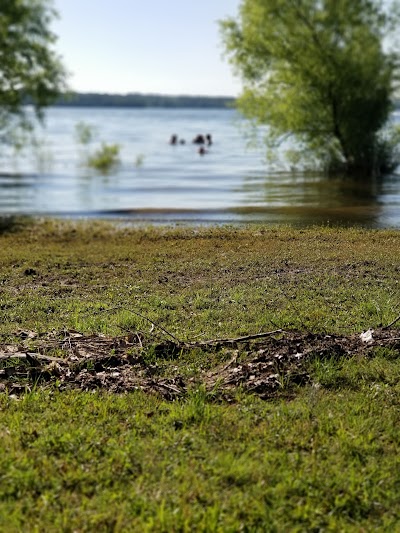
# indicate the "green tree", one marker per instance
pixel 30 70
pixel 320 71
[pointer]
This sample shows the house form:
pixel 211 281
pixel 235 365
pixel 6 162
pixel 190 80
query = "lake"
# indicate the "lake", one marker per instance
pixel 159 183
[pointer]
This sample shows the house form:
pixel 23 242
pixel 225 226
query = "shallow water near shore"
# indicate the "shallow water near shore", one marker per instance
pixel 159 183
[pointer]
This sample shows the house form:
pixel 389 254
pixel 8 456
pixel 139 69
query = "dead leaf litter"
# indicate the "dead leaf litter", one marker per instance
pixel 262 364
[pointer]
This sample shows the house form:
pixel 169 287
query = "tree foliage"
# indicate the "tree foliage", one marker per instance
pixel 319 70
pixel 29 67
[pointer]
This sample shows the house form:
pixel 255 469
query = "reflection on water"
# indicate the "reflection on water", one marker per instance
pixel 231 183
pixel 310 190
pixel 314 199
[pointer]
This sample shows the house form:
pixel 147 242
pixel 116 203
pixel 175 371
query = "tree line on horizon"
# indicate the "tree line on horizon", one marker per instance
pixel 141 100
pixel 99 99
pixel 77 99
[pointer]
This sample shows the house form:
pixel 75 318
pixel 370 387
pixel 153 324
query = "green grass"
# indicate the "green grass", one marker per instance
pixel 207 282
pixel 323 458
pixel 328 460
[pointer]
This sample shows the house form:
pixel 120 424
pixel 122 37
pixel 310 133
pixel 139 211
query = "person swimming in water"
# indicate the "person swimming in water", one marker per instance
pixel 199 139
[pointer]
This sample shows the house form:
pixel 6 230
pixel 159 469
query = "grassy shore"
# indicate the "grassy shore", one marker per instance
pixel 312 444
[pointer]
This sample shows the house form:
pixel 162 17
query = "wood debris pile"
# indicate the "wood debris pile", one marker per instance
pixel 262 364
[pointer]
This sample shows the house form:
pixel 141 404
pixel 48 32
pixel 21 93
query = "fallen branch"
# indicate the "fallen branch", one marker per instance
pixel 30 356
pixel 236 339
pixel 152 322
pixel 392 323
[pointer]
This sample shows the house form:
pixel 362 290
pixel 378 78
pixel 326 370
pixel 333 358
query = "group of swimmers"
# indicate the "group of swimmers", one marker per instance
pixel 201 140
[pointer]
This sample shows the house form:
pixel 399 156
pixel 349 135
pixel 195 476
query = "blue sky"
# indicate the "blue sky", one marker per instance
pixel 157 46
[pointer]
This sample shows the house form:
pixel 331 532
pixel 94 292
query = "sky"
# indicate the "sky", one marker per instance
pixel 146 46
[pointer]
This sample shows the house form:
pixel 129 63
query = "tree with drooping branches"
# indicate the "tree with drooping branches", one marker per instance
pixel 323 72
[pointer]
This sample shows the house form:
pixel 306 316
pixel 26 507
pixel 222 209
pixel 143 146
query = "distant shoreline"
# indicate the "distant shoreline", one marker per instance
pixel 144 100
pixel 139 100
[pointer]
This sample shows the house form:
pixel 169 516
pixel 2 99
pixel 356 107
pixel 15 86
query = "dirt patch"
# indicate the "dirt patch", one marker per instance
pixel 262 365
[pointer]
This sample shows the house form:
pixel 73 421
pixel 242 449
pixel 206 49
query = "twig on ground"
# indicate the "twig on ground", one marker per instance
pixel 237 339
pixel 155 324
pixel 32 355
pixel 392 323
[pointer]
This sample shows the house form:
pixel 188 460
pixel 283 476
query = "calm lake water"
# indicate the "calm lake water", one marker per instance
pixel 159 183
